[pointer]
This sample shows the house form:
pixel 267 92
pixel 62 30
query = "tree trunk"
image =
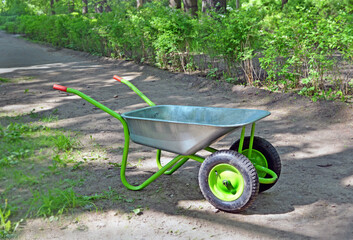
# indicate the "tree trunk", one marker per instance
pixel 98 8
pixel 102 6
pixel 204 6
pixel 237 4
pixel 283 3
pixel 190 6
pixel 84 7
pixel 175 4
pixel 52 7
pixel 214 5
pixel 140 3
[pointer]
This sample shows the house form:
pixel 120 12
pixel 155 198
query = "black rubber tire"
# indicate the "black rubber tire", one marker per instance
pixel 248 173
pixel 270 153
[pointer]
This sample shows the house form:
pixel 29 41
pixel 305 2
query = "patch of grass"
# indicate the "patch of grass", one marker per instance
pixel 65 142
pixel 19 141
pixel 25 154
pixel 16 80
pixel 72 182
pixel 58 201
pixel 4 80
pixel 23 179
pixel 55 202
pixel 53 117
pixel 13 146
pixel 50 118
pixel 32 113
pixel 40 170
pixel 7 228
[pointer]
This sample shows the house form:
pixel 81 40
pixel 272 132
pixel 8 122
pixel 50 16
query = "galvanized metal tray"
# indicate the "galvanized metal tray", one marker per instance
pixel 186 129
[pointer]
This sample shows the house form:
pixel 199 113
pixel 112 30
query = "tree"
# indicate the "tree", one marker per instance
pixel 175 4
pixel 85 6
pixel 102 6
pixel 52 7
pixel 190 6
pixel 283 3
pixel 140 3
pixel 15 7
pixel 214 5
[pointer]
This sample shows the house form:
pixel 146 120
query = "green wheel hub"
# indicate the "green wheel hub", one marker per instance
pixel 257 158
pixel 226 182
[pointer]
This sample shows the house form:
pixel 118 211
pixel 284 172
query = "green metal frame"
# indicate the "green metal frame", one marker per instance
pixel 262 180
pixel 176 162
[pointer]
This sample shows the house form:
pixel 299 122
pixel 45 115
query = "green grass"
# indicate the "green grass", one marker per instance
pixel 58 201
pixel 21 141
pixel 43 172
pixel 4 79
pixel 28 153
pixel 6 226
pixel 49 119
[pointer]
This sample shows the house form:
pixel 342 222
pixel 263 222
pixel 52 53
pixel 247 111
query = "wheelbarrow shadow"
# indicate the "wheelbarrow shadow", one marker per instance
pixel 300 184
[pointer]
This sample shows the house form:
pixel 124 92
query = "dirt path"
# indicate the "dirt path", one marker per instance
pixel 312 200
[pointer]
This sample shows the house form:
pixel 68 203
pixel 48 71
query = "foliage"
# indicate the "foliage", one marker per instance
pixel 6 226
pixel 173 35
pixel 14 7
pixel 233 37
pixel 295 48
pixel 301 50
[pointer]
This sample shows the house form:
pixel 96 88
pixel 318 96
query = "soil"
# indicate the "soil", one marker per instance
pixel 312 200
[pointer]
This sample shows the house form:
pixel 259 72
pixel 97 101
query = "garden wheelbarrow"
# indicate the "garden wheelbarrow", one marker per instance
pixel 229 179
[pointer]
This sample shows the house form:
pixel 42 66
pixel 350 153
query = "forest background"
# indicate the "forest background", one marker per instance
pixel 303 46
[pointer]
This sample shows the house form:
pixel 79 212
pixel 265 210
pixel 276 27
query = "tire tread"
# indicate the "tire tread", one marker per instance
pixel 233 158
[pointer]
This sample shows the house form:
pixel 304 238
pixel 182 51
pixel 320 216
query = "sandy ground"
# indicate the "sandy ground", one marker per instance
pixel 313 198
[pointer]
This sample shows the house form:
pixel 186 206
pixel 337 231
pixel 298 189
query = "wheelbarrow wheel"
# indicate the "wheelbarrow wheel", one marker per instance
pixel 263 154
pixel 228 180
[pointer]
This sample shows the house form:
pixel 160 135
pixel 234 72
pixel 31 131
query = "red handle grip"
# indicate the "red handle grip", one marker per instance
pixel 116 77
pixel 59 87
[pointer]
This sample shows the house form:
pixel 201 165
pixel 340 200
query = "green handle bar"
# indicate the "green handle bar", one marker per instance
pixel 135 89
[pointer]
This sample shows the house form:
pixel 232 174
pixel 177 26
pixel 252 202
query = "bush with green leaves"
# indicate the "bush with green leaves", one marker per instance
pixel 301 50
pixel 299 47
